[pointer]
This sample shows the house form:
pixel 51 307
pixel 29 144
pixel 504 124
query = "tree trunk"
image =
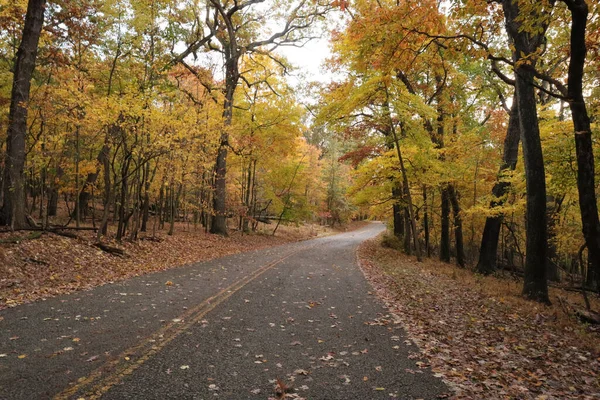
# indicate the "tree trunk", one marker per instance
pixel 527 44
pixel 13 211
pixel 397 209
pixel 491 232
pixel 410 220
pixel 445 226
pixel 247 197
pixel 145 211
pixel 105 161
pixel 583 139
pixel 84 194
pixel 407 231
pixel 426 222
pixel 535 286
pixel 172 208
pixel 52 201
pixel 161 203
pixel 219 219
pixel 124 206
pixel 458 227
pixel 553 209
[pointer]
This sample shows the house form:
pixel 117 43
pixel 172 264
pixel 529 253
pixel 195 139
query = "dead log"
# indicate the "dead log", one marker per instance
pixel 264 220
pixel 36 261
pixel 110 249
pixel 590 317
pixel 152 239
pixel 19 239
pixel 50 229
pixel 64 234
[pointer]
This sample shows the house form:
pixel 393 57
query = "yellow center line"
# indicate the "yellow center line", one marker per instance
pixel 101 380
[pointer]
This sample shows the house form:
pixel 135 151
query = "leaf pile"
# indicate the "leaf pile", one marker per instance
pixel 50 264
pixel 481 336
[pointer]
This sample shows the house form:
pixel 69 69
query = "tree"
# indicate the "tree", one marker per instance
pixel 573 94
pixel 234 32
pixel 527 35
pixel 13 208
pixel 491 231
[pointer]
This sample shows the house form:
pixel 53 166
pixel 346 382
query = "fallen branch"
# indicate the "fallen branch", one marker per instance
pixel 65 234
pixel 586 316
pixel 36 261
pixel 50 229
pixel 590 317
pixel 264 220
pixel 152 239
pixel 110 249
pixel 19 239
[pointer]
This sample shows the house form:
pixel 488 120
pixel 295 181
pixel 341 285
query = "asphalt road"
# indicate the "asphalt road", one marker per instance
pixel 298 318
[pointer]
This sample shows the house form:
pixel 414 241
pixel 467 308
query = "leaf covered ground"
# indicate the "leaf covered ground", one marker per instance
pixel 33 268
pixel 481 336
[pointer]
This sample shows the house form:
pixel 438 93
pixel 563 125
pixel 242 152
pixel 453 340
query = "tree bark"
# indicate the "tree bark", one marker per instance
pixel 491 231
pixel 13 208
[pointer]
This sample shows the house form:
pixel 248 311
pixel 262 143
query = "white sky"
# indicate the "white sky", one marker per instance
pixel 309 60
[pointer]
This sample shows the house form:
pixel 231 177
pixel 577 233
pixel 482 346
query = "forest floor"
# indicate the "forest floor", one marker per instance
pixel 481 336
pixel 35 266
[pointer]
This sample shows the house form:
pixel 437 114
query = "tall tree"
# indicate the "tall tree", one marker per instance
pixel 573 94
pixel 234 31
pixel 526 25
pixel 13 209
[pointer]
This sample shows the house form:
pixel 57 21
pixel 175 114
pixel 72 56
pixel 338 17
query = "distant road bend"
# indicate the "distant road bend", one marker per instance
pixel 298 318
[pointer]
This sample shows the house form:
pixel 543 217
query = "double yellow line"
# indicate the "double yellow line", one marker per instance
pixel 108 375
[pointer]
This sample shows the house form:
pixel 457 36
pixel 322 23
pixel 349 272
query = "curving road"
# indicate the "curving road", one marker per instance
pixel 298 318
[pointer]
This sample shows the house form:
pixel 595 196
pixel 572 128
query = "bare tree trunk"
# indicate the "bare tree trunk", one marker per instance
pixel 13 210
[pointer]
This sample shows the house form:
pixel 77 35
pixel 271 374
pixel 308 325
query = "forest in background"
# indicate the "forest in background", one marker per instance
pixel 124 131
pixel 142 114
